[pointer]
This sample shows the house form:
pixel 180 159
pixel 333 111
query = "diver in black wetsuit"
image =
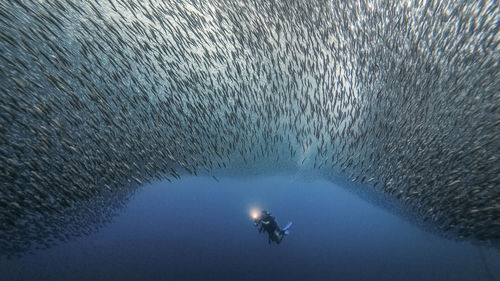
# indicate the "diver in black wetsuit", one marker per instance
pixel 268 223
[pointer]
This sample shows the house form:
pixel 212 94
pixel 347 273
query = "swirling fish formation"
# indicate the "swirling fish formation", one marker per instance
pixel 98 97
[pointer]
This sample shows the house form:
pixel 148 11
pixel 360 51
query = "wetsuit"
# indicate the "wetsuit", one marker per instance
pixel 269 224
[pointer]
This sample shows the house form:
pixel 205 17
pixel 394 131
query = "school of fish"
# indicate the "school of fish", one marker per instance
pixel 99 97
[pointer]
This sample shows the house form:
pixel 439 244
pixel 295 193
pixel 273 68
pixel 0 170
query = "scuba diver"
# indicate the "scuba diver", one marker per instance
pixel 266 222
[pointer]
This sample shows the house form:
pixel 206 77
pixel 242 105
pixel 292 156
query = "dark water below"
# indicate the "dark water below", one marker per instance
pixel 200 229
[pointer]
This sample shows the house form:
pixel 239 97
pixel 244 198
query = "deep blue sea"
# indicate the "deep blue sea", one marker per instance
pixel 200 229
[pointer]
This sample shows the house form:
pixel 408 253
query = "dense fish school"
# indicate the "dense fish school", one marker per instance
pixel 98 97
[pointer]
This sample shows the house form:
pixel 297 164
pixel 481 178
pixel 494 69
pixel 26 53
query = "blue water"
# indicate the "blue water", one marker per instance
pixel 200 229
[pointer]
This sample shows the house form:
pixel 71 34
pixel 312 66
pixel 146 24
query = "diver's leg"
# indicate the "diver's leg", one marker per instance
pixel 280 237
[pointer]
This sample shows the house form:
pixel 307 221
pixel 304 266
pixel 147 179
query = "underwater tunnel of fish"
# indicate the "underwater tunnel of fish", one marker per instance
pixel 98 97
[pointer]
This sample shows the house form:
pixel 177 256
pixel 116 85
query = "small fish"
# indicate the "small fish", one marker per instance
pixel 96 100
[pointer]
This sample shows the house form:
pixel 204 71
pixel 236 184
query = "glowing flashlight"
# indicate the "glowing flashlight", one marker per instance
pixel 254 213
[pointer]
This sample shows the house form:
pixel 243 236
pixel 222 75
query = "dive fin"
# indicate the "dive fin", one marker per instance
pixel 286 228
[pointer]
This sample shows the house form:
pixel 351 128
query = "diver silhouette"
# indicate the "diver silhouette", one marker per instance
pixel 266 222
